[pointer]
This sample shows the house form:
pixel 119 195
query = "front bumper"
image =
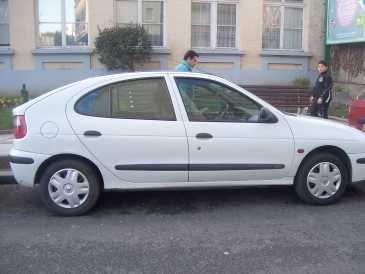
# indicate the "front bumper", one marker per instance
pixel 24 166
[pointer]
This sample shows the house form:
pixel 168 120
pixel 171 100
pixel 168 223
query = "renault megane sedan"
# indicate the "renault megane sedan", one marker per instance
pixel 172 130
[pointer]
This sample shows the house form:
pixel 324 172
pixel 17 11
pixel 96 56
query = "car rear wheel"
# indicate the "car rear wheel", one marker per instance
pixel 322 179
pixel 69 187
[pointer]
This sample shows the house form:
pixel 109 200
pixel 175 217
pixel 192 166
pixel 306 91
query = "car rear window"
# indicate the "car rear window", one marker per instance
pixel 95 103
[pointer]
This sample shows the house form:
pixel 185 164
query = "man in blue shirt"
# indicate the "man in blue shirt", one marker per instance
pixel 186 90
pixel 190 60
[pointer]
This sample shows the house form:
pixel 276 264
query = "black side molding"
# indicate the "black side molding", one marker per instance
pixel 20 160
pixel 361 161
pixel 212 167
pixel 154 167
pixel 199 167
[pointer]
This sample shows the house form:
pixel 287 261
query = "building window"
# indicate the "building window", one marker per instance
pixel 214 24
pixel 283 24
pixel 226 26
pixel 149 14
pixel 200 25
pixel 62 23
pixel 4 23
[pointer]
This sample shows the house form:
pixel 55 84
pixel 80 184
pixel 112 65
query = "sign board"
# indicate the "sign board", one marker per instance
pixel 345 21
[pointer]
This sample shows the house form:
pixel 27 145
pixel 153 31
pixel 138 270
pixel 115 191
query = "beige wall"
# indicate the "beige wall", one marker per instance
pixel 216 65
pixel 178 16
pixel 315 30
pixel 251 33
pixel 62 65
pixel 22 33
pixel 251 20
pixel 178 29
pixel 280 66
pixel 101 15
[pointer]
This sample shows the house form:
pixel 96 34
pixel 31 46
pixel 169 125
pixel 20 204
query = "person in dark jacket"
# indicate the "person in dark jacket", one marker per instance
pixel 322 93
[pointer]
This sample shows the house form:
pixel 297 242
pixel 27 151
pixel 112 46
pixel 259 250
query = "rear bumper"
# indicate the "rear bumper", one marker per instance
pixel 24 166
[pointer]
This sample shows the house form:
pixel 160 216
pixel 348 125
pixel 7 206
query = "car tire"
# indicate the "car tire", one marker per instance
pixel 69 187
pixel 322 179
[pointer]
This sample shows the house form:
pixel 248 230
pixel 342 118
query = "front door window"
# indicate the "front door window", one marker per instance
pixel 210 101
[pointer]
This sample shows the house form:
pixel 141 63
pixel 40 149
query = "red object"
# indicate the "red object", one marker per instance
pixel 20 127
pixel 356 111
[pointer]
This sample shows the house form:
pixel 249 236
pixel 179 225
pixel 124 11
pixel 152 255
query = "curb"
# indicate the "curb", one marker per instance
pixel 6 173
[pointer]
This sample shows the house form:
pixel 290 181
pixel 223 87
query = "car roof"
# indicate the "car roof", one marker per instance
pixel 142 74
pixel 99 80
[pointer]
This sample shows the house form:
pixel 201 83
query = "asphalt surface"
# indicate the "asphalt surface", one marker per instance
pixel 252 230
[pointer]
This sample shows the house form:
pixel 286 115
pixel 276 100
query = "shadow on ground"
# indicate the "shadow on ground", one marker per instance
pixel 15 198
pixel 193 201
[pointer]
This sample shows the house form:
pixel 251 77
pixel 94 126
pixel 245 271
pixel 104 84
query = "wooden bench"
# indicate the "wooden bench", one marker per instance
pixel 287 98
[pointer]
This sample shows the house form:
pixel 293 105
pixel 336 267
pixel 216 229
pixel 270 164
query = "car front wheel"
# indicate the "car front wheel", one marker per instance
pixel 69 187
pixel 322 179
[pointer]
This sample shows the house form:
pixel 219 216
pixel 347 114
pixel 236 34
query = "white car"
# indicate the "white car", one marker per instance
pixel 170 130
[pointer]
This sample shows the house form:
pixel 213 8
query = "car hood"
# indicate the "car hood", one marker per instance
pixel 306 127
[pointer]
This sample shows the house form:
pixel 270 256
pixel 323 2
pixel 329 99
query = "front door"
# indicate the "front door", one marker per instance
pixel 132 128
pixel 227 142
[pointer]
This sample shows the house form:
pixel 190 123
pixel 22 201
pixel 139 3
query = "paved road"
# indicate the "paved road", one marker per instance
pixel 255 230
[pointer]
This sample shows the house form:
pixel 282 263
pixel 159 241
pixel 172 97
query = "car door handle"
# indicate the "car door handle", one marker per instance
pixel 204 136
pixel 92 133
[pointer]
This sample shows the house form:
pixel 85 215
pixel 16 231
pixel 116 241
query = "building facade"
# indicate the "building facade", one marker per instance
pixel 48 43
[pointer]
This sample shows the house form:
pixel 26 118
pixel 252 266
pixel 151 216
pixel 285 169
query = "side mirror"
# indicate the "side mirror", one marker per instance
pixel 267 117
pixel 362 120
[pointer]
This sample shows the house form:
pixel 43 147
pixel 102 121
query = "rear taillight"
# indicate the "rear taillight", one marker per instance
pixel 20 127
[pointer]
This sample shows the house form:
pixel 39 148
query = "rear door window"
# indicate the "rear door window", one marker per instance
pixel 143 99
pixel 146 99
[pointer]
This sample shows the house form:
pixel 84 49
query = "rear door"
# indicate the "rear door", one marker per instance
pixel 134 129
